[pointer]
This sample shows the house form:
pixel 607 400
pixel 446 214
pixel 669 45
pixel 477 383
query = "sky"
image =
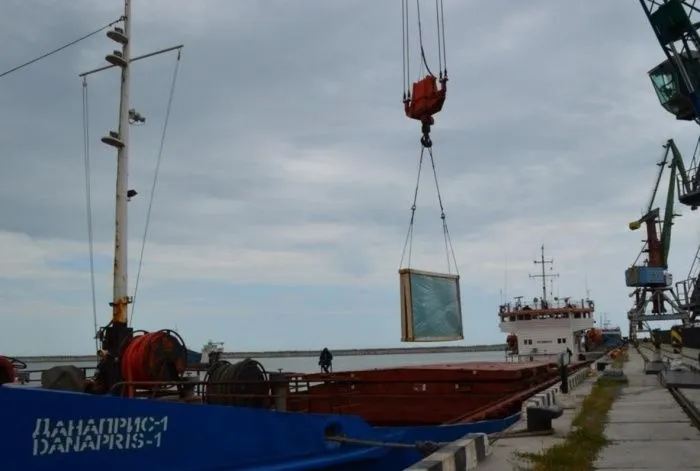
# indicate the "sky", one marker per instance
pixel 288 170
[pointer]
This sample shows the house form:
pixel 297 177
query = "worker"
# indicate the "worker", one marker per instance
pixel 325 361
pixel 564 372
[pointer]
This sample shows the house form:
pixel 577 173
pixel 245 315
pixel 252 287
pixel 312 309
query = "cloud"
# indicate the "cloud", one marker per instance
pixel 288 171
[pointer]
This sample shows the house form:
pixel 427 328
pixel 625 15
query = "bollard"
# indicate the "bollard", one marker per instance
pixel 280 386
pixel 539 419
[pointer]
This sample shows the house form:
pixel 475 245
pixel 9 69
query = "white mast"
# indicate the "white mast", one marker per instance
pixel 120 140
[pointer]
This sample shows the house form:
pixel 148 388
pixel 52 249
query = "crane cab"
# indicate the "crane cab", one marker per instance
pixel 671 89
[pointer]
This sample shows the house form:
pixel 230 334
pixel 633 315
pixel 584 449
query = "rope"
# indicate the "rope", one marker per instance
pixel 65 46
pixel 243 384
pixel 408 243
pixel 449 250
pixel 428 447
pixel 155 181
pixel 88 204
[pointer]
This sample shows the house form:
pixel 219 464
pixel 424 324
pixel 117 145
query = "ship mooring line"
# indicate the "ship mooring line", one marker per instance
pixel 429 447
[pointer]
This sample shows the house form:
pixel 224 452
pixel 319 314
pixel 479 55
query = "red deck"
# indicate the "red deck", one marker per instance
pixel 421 395
pixel 481 366
pixel 482 371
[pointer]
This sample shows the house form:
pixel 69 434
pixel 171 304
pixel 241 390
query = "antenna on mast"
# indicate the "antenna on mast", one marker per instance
pixel 506 280
pixel 585 281
pixel 544 275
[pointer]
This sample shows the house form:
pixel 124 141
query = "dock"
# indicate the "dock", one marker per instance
pixel 652 424
pixel 647 427
pixel 486 453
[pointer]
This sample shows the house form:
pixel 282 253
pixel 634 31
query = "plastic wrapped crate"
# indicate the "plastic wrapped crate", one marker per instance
pixel 431 308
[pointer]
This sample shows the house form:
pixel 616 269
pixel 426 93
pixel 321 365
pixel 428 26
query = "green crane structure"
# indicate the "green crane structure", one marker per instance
pixel 676 81
pixel 649 273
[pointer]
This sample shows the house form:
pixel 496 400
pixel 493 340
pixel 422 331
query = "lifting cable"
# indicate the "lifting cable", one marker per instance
pixel 435 99
pixel 408 243
pixel 155 180
pixel 405 39
pixel 88 204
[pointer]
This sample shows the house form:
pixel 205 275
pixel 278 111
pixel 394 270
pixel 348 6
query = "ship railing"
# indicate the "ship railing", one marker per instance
pixel 34 376
pixel 555 304
pixel 31 376
pixel 331 393
pixel 295 393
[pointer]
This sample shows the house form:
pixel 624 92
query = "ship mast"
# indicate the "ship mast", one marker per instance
pixel 120 296
pixel 118 331
pixel 544 275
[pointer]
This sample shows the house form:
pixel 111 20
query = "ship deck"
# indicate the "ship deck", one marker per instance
pixel 462 372
pixel 481 366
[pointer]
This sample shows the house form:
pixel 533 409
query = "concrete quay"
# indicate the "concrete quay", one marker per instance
pixel 479 452
pixel 647 428
pixel 503 451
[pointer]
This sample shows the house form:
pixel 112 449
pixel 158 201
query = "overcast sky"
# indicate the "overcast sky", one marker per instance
pixel 288 171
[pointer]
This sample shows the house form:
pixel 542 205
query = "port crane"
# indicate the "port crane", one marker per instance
pixel 649 275
pixel 676 82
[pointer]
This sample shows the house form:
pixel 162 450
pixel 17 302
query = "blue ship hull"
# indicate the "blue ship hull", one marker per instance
pixel 47 429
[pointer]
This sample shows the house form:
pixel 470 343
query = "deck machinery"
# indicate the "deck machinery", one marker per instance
pixel 675 81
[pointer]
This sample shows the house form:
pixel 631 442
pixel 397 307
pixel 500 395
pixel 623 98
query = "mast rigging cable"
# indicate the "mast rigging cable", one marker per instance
pixel 59 49
pixel 155 182
pixel 88 192
pixel 88 205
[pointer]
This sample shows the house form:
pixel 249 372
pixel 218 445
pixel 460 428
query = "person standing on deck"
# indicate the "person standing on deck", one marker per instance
pixel 325 360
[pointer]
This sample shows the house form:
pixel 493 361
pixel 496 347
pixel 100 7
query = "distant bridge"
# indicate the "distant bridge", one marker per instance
pixel 302 353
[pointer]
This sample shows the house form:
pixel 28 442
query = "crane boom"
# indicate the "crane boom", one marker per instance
pixel 658 247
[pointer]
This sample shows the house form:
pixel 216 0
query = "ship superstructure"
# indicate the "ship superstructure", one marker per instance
pixel 544 328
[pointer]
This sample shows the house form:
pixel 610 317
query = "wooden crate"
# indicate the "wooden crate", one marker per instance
pixel 431 307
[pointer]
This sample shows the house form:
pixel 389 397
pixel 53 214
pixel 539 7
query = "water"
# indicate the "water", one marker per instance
pixel 340 363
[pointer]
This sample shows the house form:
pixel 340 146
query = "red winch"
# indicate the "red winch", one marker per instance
pixel 153 357
pixel 8 372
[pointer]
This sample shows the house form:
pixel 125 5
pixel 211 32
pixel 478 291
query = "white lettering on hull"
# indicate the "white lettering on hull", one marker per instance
pixel 95 434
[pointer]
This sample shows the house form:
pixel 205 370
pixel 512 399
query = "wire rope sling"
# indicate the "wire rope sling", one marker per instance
pixel 431 308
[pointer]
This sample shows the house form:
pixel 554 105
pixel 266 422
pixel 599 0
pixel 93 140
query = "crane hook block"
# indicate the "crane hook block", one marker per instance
pixel 426 98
